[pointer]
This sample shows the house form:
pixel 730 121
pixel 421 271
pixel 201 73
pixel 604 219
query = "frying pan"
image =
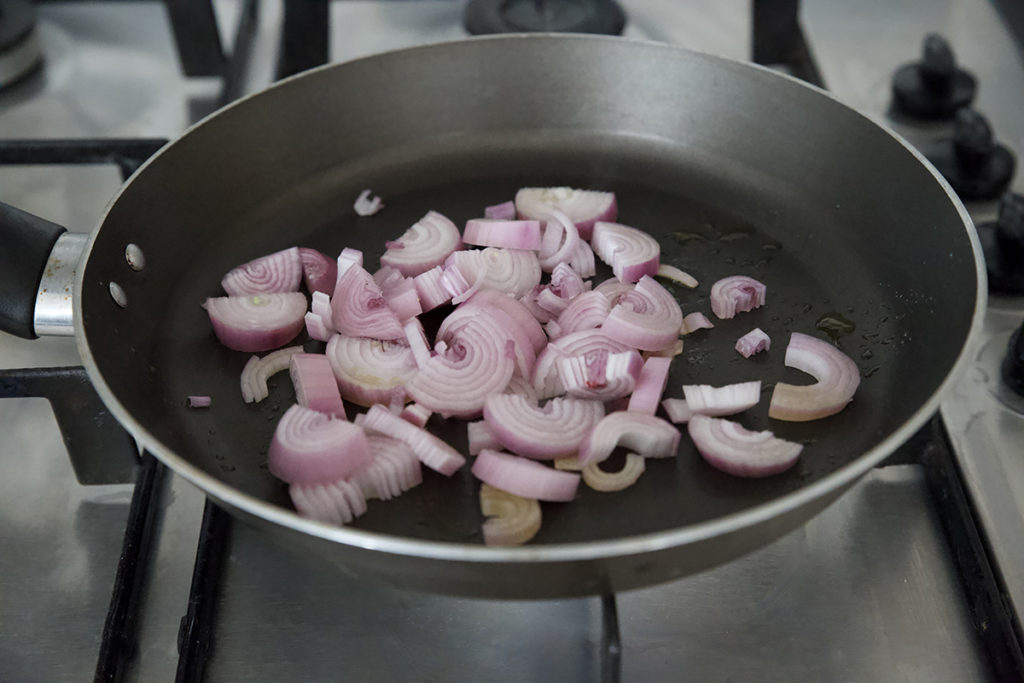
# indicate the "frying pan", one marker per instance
pixel 733 168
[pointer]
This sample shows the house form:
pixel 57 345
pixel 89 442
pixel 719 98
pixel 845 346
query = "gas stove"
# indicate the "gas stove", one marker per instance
pixel 115 567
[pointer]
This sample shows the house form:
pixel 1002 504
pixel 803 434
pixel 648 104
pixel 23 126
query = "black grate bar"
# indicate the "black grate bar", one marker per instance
pixel 195 635
pixel 237 67
pixel 194 26
pixel 128 154
pixel 304 37
pixel 611 643
pixel 778 39
pixel 119 632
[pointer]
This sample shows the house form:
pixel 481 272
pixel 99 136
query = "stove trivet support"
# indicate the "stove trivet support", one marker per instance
pixel 611 644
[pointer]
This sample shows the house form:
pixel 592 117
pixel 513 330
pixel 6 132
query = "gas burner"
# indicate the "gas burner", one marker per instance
pixel 972 161
pixel 934 88
pixel 559 16
pixel 19 48
pixel 1003 243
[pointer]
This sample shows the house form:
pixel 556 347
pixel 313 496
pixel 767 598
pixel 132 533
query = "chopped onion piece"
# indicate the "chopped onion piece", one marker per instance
pixel 256 322
pixel 337 502
pixel 614 289
pixel 415 414
pixel 347 258
pixel 753 342
pixel 317 328
pixel 515 315
pixel 646 435
pixel 600 375
pixel 695 321
pixel 630 252
pixel 736 294
pixel 511 519
pixel 546 379
pixel 837 381
pixel 650 385
pixel 561 238
pixel 403 298
pixel 571 464
pixel 480 436
pixel 432 452
pixel 258 370
pixel 566 282
pixel 542 433
pixel 315 386
pixel 417 340
pixel 587 311
pixel 582 260
pixel 319 271
pixel 394 470
pixel 551 302
pixel 704 399
pixel 677 410
pixel 313 448
pixel 494 232
pixel 599 480
pixel 321 305
pixel 648 318
pixel 583 207
pixel 367 204
pixel 430 289
pixel 729 447
pixel 670 351
pixel 511 271
pixel 360 310
pixel 199 401
pixel 368 370
pixel 672 273
pixel 425 245
pixel 505 210
pixel 272 274
pixel 523 477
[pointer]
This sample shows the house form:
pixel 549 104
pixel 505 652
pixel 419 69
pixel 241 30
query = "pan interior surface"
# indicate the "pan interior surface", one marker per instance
pixel 877 260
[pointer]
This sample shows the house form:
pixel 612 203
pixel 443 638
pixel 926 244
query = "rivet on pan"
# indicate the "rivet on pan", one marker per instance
pixel 136 259
pixel 118 295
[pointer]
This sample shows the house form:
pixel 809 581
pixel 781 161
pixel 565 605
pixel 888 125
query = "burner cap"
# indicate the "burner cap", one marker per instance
pixel 972 161
pixel 556 16
pixel 19 48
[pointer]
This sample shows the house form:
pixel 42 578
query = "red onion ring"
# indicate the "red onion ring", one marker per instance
pixel 545 371
pixel 566 282
pixel 736 294
pixel 646 435
pixel 542 433
pixel 837 381
pixel 425 245
pixel 313 448
pixel 359 309
pixel 631 253
pixel 729 447
pixel 583 207
pixel 256 322
pixel 272 274
pixel 511 271
pixel 561 238
pixel 430 289
pixel 585 312
pixel 647 318
pixel 368 370
pixel 526 478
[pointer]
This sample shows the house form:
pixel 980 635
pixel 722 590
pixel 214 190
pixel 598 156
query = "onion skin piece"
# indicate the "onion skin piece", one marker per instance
pixel 730 399
pixel 645 435
pixel 432 452
pixel 729 447
pixel 257 322
pixel 512 520
pixel 313 448
pixel 271 274
pixel 599 480
pixel 753 342
pixel 583 207
pixel 426 244
pixel 630 252
pixel 523 477
pixel 837 380
pixel 736 294
pixel 315 386
pixel 541 433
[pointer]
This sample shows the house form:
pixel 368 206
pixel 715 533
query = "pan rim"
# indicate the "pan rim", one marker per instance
pixel 547 553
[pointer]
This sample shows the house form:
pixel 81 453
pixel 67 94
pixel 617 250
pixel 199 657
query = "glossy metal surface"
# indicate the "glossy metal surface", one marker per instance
pixel 54 312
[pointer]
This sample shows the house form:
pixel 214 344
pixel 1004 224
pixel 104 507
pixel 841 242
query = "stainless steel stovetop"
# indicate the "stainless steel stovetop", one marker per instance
pixel 870 590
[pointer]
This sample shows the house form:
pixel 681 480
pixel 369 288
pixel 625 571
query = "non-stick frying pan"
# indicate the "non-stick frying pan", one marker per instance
pixel 735 169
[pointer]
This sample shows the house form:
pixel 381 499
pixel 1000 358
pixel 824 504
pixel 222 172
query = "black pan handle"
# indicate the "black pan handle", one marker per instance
pixel 25 245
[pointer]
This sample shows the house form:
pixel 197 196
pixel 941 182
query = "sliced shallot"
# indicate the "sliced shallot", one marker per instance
pixel 650 385
pixel 319 271
pixel 837 381
pixel 730 399
pixel 677 410
pixel 367 203
pixel 511 271
pixel 753 342
pixel 415 414
pixel 681 276
pixel 430 289
pixel 256 322
pixel 199 401
pixel 337 502
pixel 600 375
pixel 505 210
pixel 359 309
pixel 560 242
pixel 646 435
pixel 587 311
pixel 425 245
pixel 258 370
pixel 480 436
pixel 542 433
pixel 523 477
pixel 494 232
pixel 511 519
pixel 630 252
pixel 731 448
pixel 367 370
pixel 693 322
pixel 736 294
pixel 394 470
pixel 648 318
pixel 600 480
pixel 272 274
pixel 432 452
pixel 583 207
pixel 315 386
pixel 546 379
pixel 566 282
pixel 310 447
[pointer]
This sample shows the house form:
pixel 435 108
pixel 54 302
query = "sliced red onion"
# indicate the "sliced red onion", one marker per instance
pixel 317 328
pixel 415 414
pixel 480 436
pixel 561 237
pixel 599 480
pixel 567 283
pixel 630 252
pixel 646 435
pixel 430 289
pixel 585 312
pixel 545 371
pixel 677 410
pixel 368 370
pixel 360 310
pixel 313 448
pixel 650 386
pixel 432 452
pixel 670 351
pixel 512 271
pixel 511 520
pixel 693 322
pixel 529 301
pixel 517 316
pixel 572 464
pixel 319 271
pixel 455 284
pixel 315 386
pixel 475 364
pixel 729 447
pixel 582 260
pixel 256 322
pixel 542 433
pixel 403 298
pixel 837 381
pixel 321 305
pixel 386 276
pixel 753 342
pixel 347 258
pixel 736 294
pixel 395 469
pixel 367 204
pixel 199 401
pixel 504 211
pixel 258 370
pixel 523 477
pixel 522 386
pixel 494 232
pixel 704 399
pixel 551 302
pixel 648 318
pixel 672 273
pixel 614 289
pixel 511 331
pixel 600 375
pixel 425 245
pixel 272 274
pixel 417 340
pixel 583 207
pixel 337 502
